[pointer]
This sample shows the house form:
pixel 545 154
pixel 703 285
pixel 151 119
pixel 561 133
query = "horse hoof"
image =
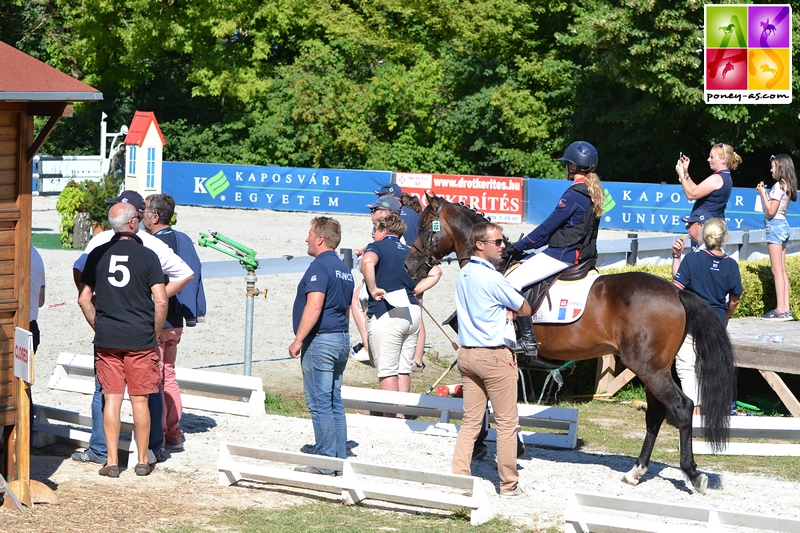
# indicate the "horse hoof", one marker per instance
pixel 701 484
pixel 629 479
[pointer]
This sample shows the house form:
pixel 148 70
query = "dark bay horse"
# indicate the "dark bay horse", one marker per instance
pixel 639 317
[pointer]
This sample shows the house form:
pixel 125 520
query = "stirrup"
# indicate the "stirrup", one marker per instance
pixel 526 348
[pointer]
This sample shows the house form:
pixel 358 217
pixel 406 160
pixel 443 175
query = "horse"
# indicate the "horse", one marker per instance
pixel 768 28
pixel 639 317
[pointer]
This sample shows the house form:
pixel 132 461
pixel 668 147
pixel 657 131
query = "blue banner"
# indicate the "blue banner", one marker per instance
pixel 317 190
pixel 651 207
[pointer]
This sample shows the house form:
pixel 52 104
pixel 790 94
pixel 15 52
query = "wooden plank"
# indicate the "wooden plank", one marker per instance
pixel 358 480
pixel 768 358
pixel 9 162
pixel 75 373
pixel 9 191
pixel 8 177
pixel 782 391
pixel 584 514
pixel 618 382
pixel 752 449
pixel 757 427
pixel 607 368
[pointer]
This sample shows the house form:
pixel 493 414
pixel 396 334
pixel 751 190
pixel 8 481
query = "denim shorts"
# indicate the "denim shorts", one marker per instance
pixel 777 231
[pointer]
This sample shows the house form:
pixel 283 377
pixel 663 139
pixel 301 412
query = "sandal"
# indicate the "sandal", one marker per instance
pixel 109 470
pixel 142 469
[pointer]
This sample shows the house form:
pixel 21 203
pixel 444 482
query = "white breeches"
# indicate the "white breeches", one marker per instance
pixel 684 365
pixel 534 269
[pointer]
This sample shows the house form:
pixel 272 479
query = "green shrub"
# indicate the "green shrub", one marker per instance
pixel 758 285
pixel 70 202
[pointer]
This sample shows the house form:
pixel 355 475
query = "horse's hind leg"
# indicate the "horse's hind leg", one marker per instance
pixel 653 419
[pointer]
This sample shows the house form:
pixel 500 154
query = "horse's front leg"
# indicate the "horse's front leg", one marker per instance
pixel 653 419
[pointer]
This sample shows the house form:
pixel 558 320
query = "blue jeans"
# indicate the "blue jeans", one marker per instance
pixel 97 442
pixel 323 362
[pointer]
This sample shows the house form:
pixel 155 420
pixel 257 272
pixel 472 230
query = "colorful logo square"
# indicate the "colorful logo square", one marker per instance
pixel 726 69
pixel 769 27
pixel 768 69
pixel 726 26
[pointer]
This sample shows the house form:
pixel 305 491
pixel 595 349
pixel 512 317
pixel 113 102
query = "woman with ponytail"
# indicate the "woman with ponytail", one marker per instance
pixel 571 229
pixel 710 195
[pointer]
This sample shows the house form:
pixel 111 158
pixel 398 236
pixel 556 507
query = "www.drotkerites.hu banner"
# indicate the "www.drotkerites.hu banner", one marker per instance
pixel 499 197
pixel 316 190
pixel 650 207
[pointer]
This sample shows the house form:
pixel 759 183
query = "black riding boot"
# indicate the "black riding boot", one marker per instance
pixel 526 344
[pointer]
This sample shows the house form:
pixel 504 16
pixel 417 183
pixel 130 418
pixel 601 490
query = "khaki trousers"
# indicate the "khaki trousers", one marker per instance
pixel 489 374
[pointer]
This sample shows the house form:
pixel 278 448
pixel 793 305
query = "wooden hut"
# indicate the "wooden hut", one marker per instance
pixel 28 88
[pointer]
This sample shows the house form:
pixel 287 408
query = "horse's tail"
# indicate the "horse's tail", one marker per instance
pixel 714 366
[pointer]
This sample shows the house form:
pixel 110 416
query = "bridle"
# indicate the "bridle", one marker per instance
pixel 434 257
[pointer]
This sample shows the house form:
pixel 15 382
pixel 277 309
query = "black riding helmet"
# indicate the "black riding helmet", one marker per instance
pixel 582 154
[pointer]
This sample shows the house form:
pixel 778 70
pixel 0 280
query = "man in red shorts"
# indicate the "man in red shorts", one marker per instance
pixel 130 307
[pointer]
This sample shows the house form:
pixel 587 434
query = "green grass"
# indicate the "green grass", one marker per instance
pixel 274 404
pixel 49 241
pixel 325 517
pixel 609 427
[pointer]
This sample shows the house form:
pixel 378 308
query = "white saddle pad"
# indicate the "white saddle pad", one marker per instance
pixel 568 299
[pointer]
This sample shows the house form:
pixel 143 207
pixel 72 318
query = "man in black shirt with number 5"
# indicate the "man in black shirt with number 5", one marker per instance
pixel 130 307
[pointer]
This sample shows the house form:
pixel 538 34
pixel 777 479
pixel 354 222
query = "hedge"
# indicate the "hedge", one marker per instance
pixel 757 282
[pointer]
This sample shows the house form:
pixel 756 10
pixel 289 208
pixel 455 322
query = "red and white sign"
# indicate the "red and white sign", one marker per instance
pixel 23 355
pixel 500 198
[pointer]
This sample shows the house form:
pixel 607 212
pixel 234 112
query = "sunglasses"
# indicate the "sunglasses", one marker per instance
pixel 377 209
pixel 496 242
pixel 773 157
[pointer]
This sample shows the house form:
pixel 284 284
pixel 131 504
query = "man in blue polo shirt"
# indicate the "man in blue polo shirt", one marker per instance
pixel 488 367
pixel 409 217
pixel 322 338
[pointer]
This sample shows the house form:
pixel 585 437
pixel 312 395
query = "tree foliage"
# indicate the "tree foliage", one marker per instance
pixel 463 86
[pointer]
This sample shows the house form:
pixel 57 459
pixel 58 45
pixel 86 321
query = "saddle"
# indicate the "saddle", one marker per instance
pixel 537 292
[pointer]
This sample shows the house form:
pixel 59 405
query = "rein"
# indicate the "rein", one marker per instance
pixel 430 259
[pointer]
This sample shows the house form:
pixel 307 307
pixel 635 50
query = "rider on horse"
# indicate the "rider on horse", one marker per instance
pixel 570 230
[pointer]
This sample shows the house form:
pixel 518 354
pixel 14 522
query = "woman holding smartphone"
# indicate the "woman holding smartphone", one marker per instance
pixel 711 194
pixel 775 204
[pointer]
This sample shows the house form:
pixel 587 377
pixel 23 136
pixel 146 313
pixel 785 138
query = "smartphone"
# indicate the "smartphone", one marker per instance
pixel 680 155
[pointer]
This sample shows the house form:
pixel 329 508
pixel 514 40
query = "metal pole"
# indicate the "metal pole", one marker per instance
pixel 347 257
pixel 744 248
pixel 248 322
pixel 634 237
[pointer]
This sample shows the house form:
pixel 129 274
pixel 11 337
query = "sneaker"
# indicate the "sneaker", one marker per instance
pixel 109 471
pixel 417 368
pixel 788 316
pixel 518 491
pixel 174 446
pixel 88 456
pixel 312 470
pixel 773 315
pixel 156 456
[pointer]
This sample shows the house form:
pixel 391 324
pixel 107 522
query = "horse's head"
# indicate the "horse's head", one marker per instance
pixel 444 228
pixel 433 239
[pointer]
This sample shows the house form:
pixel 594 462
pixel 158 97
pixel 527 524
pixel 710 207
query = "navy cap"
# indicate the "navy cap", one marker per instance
pixel 695 217
pixel 392 189
pixel 386 202
pixel 128 197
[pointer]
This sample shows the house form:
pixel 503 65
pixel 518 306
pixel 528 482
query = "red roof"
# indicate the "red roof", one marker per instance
pixel 139 126
pixel 26 79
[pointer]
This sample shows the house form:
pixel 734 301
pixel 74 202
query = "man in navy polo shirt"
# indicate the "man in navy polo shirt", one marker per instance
pixel 322 339
pixel 409 217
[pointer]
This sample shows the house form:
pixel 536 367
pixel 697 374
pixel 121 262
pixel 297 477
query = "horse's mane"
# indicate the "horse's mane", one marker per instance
pixel 472 213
